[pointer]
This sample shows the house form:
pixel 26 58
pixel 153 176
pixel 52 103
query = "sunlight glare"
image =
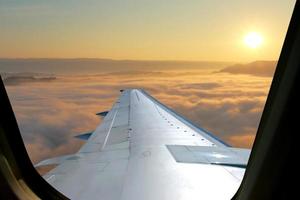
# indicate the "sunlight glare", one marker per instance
pixel 253 40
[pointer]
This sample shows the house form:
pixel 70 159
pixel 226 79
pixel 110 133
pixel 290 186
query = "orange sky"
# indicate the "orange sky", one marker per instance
pixel 151 30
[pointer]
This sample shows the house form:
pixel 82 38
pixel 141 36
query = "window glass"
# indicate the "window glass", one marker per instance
pixel 211 61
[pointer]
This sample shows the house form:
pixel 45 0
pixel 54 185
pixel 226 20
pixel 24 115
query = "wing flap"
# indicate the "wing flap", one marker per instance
pixel 234 157
pixel 54 161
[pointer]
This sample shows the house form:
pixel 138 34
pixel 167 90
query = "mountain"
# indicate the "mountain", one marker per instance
pixel 257 68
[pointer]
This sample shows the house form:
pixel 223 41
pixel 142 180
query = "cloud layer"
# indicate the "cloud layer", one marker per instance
pixel 257 68
pixel 51 113
pixel 21 79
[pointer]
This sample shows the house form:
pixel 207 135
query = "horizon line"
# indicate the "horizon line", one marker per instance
pixel 122 60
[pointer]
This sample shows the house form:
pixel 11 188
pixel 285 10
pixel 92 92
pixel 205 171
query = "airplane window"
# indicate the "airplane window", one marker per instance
pixel 65 65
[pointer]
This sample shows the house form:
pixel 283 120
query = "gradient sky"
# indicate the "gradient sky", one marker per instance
pixel 143 29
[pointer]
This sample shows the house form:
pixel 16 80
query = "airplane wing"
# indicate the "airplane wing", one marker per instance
pixel 144 150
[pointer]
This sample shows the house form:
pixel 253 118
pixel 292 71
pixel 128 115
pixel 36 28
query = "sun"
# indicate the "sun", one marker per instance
pixel 253 40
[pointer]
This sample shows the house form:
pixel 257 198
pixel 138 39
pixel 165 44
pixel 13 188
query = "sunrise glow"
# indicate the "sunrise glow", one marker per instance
pixel 253 40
